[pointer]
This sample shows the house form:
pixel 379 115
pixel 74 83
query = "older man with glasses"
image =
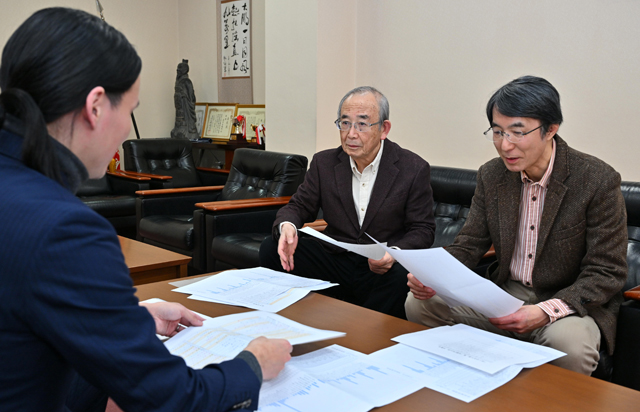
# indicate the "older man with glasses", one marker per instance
pixel 557 220
pixel 368 184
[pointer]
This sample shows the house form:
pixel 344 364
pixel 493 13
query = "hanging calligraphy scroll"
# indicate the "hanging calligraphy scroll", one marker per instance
pixel 236 38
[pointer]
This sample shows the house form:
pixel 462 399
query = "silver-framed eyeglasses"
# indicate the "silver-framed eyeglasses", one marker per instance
pixel 496 135
pixel 345 125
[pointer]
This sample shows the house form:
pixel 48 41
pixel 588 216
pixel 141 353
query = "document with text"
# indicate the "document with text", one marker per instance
pixel 370 382
pixel 372 251
pixel 485 351
pixel 223 337
pixel 256 288
pixel 443 375
pixel 456 284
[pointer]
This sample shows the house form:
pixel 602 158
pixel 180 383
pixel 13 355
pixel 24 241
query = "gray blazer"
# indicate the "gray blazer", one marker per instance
pixel 400 209
pixel 582 241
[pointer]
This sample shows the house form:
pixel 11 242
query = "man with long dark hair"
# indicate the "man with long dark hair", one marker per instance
pixel 69 316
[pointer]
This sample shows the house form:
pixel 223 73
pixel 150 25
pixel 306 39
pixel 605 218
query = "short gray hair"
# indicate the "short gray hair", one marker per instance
pixel 383 103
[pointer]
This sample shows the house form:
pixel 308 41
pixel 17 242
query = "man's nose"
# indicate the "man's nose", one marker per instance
pixel 352 133
pixel 506 145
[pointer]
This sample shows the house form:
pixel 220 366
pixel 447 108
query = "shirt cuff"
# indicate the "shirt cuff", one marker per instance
pixel 556 309
pixel 253 363
pixel 284 223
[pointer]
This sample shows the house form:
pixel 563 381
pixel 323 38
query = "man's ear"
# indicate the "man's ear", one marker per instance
pixel 553 129
pixel 94 106
pixel 386 128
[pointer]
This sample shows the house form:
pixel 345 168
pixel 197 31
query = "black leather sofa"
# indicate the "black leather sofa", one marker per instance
pixel 114 197
pixel 172 219
pixel 626 359
pixel 452 192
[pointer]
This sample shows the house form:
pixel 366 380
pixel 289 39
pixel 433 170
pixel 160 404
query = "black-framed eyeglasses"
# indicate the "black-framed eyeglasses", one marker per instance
pixel 496 135
pixel 345 125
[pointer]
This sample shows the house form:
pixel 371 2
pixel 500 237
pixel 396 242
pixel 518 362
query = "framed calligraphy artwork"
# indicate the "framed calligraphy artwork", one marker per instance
pixel 236 38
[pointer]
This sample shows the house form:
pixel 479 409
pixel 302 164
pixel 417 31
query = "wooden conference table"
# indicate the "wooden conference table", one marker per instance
pixel 148 263
pixel 546 388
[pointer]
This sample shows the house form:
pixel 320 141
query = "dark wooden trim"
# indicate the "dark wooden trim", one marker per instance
pixel 181 190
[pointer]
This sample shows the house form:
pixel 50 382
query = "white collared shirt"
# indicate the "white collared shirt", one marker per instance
pixel 362 183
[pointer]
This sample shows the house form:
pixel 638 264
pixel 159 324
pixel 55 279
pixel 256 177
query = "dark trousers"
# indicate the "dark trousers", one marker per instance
pixel 358 285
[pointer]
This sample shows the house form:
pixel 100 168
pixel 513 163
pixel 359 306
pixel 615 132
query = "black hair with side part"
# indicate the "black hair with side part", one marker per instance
pixel 527 96
pixel 49 66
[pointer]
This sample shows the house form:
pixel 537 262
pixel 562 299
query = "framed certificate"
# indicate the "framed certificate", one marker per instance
pixel 201 112
pixel 255 114
pixel 219 120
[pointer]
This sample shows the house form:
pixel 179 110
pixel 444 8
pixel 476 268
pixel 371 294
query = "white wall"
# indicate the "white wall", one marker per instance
pixel 151 26
pixel 291 73
pixel 438 62
pixel 198 25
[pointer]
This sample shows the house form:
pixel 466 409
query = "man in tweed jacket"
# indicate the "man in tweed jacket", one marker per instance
pixel 557 220
pixel 368 184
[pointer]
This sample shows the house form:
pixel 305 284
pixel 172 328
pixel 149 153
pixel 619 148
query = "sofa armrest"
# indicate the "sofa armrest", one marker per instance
pixel 239 204
pixel 161 178
pixel 633 293
pixel 320 225
pixel 490 253
pixel 118 174
pixel 179 191
pixel 211 170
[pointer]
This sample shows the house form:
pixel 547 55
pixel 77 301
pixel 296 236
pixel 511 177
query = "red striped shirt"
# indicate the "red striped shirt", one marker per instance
pixel 524 253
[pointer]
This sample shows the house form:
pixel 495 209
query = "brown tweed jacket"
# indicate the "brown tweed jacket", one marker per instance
pixel 400 209
pixel 582 242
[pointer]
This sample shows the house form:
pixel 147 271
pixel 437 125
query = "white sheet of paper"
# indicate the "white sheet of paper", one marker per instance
pixel 184 282
pixel 295 390
pixel 271 325
pixel 549 354
pixel 444 375
pixel 372 381
pixel 455 283
pixel 270 298
pixel 469 348
pixel 372 251
pixel 249 288
pixel 222 338
pixel 201 346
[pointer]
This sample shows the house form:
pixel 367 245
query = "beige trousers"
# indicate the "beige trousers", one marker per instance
pixel 578 337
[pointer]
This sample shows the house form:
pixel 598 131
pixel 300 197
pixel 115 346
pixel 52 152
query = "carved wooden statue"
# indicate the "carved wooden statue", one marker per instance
pixel 185 102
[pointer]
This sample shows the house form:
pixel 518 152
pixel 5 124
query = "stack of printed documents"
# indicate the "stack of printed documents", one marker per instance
pixel 256 288
pixel 462 361
pixel 455 283
pixel 332 377
pixel 222 338
pixel 335 379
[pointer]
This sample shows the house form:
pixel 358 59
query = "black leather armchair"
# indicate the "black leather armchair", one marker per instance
pixel 169 163
pixel 168 218
pixel 234 230
pixel 626 359
pixel 114 197
pixel 453 190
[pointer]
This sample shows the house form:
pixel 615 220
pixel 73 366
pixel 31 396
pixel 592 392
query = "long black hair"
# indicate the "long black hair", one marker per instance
pixel 49 66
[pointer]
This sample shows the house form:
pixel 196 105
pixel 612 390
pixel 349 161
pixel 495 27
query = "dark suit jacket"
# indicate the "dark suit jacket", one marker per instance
pixel 68 304
pixel 400 209
pixel 582 241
